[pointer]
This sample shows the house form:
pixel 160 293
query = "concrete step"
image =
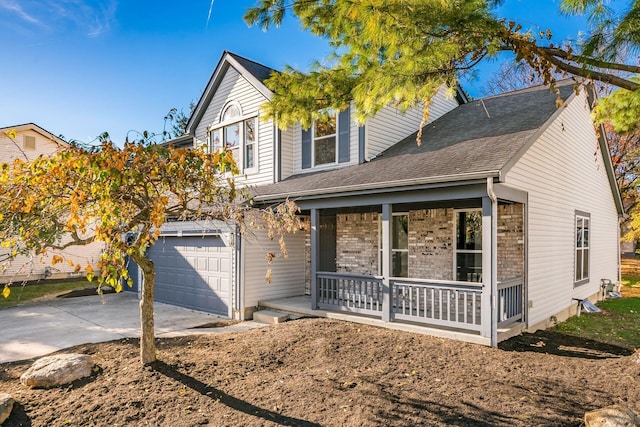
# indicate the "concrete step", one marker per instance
pixel 269 316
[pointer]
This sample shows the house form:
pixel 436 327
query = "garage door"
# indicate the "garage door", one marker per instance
pixel 193 272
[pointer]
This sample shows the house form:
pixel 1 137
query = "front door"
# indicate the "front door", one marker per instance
pixel 327 243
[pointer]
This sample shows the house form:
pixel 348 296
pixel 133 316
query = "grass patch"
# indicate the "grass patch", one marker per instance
pixel 617 324
pixel 39 292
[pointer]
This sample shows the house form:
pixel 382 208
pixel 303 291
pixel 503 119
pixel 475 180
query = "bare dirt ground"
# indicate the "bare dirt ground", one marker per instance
pixel 319 372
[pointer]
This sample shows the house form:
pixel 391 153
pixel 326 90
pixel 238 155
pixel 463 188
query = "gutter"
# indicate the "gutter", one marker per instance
pixel 368 187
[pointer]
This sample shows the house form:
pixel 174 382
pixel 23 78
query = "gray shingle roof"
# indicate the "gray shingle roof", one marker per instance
pixel 479 137
pixel 259 71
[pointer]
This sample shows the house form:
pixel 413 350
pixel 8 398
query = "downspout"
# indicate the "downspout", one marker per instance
pixel 494 262
pixel 619 284
pixel 239 300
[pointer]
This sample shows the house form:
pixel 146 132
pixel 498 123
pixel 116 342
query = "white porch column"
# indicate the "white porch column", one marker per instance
pixel 315 251
pixel 489 269
pixel 387 215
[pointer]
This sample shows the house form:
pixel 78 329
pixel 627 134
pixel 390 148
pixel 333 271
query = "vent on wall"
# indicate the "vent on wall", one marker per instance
pixel 29 142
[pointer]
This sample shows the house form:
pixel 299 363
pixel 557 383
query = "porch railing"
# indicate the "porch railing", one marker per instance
pixel 510 301
pixel 434 302
pixel 437 302
pixel 350 292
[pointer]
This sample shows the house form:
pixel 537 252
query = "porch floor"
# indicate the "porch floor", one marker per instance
pixel 301 305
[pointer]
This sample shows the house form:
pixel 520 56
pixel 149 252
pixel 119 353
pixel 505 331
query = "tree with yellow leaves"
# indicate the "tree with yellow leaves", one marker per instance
pixel 106 194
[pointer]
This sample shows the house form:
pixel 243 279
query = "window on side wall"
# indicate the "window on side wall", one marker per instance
pixel 468 253
pixel 237 134
pixel 583 221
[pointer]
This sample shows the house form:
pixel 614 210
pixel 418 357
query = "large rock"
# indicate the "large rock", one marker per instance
pixel 6 405
pixel 612 416
pixel 56 370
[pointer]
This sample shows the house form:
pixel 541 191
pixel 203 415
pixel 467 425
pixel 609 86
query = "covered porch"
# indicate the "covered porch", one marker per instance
pixel 444 261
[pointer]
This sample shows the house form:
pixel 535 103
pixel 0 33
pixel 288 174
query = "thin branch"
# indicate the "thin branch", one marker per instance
pixel 590 74
pixel 590 61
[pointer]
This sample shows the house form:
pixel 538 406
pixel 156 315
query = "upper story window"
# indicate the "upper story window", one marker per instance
pixel 237 134
pixel 325 139
pixel 327 142
pixel 582 248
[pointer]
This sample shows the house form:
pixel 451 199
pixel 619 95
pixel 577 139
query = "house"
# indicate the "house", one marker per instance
pixel 500 221
pixel 30 142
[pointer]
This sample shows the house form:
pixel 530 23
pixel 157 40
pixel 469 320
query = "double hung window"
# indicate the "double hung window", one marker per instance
pixel 325 139
pixel 237 134
pixel 582 248
pixel 399 245
pixel 468 253
pixel 326 143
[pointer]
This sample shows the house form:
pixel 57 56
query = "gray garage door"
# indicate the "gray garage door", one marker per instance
pixel 193 272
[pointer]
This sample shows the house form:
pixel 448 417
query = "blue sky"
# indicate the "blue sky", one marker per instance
pixel 82 67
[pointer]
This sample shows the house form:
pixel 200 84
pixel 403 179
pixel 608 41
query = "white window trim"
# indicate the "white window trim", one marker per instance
pixel 457 251
pixel 380 254
pixel 256 130
pixel 221 124
pixel 313 145
pixel 583 280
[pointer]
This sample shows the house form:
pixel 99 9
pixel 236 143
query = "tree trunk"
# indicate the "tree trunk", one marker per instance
pixel 147 333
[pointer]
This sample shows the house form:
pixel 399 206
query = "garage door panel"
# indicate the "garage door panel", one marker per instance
pixel 193 272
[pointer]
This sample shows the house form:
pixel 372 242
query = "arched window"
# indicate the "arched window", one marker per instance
pixel 232 111
pixel 236 134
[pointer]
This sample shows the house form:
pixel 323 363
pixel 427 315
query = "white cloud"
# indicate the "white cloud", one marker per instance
pixel 14 7
pixel 91 17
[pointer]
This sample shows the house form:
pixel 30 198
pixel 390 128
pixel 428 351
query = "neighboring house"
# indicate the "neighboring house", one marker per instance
pixel 500 221
pixel 32 141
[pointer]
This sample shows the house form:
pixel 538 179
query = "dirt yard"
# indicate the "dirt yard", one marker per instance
pixel 318 372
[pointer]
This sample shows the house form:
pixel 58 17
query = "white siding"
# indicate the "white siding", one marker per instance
pixel 562 174
pixel 288 274
pixel 390 126
pixel 14 149
pixel 234 87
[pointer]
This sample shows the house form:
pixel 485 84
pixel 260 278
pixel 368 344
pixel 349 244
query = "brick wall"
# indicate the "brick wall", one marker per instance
pixel 431 244
pixel 357 243
pixel 510 241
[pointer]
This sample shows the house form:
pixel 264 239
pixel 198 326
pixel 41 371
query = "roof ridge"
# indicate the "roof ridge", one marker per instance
pixel 235 55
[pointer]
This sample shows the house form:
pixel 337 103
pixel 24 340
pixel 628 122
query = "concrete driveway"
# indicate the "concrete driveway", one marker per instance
pixel 37 329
